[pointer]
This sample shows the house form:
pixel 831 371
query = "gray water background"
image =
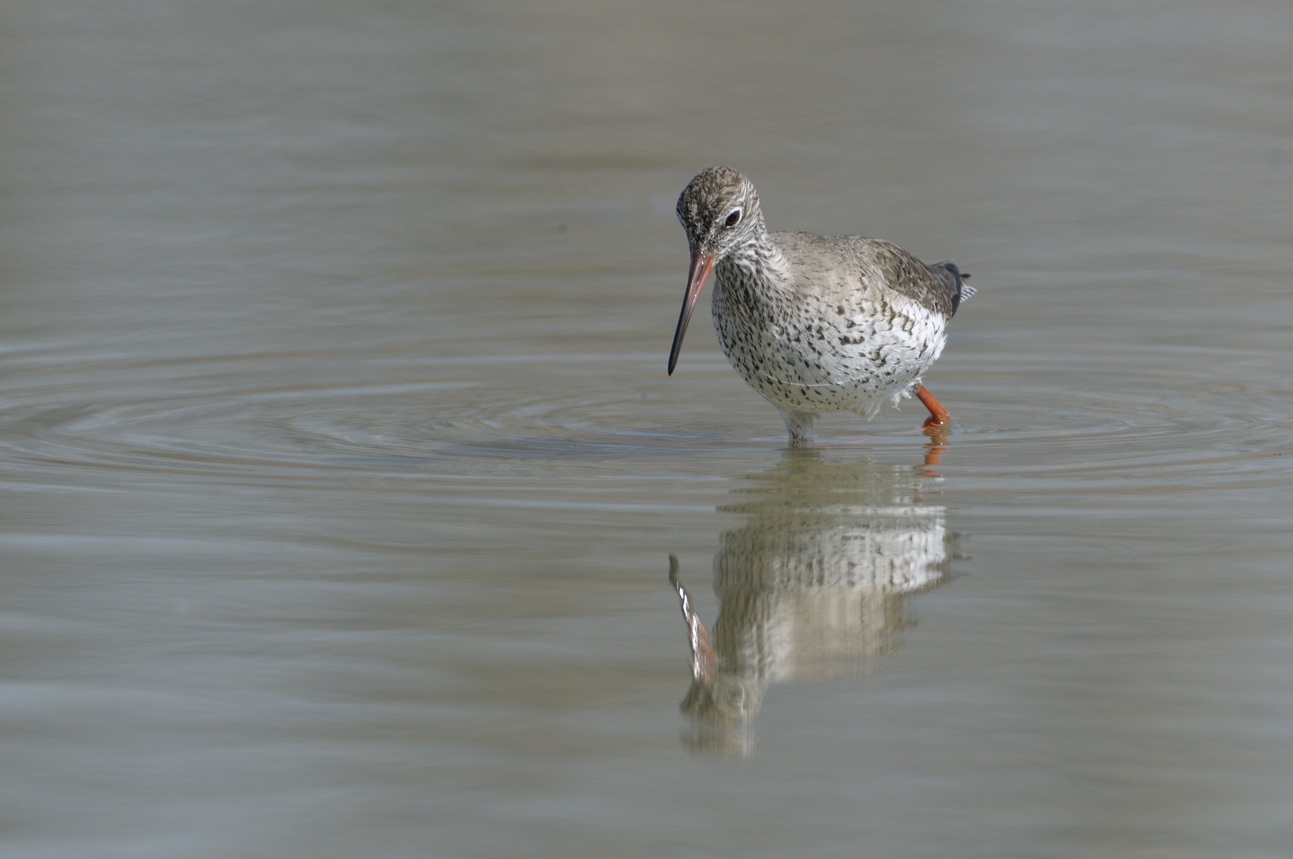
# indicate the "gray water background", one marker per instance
pixel 340 471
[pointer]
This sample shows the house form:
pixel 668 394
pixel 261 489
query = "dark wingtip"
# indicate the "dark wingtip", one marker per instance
pixel 955 279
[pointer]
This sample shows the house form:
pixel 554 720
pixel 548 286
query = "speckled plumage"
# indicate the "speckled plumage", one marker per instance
pixel 813 323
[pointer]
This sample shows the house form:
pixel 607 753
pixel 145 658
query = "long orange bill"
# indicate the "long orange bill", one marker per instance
pixel 697 274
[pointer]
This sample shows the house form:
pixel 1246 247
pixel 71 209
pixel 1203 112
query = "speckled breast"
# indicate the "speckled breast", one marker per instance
pixel 806 354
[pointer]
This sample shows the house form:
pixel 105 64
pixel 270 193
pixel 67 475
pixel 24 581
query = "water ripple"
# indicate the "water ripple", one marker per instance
pixel 1081 424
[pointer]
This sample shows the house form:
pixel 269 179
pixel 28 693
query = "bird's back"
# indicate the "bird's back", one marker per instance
pixel 847 265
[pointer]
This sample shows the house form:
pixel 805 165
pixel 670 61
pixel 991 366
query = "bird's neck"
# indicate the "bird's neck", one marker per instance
pixel 758 260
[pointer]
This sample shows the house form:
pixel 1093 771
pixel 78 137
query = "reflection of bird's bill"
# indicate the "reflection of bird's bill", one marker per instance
pixel 704 662
pixel 812 581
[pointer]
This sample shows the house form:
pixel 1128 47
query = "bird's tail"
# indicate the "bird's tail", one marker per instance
pixel 955 280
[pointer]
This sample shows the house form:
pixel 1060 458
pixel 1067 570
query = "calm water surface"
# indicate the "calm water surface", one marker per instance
pixel 341 474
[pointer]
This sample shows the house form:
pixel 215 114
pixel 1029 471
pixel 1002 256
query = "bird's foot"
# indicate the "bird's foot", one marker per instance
pixel 940 419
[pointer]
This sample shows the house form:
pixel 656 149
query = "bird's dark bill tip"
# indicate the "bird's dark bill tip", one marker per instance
pixel 697 274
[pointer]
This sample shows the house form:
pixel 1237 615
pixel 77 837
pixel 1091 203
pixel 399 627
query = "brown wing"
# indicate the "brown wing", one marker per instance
pixel 939 287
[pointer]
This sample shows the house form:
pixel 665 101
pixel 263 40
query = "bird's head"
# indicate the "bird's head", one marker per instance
pixel 719 211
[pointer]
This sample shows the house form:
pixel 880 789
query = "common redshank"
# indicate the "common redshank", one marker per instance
pixel 814 323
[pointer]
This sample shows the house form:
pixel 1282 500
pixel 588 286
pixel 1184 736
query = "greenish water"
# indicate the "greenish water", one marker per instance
pixel 340 471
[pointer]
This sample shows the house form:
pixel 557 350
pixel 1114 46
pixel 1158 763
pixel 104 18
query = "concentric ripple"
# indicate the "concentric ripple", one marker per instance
pixel 1099 425
pixel 203 418
pixel 1080 424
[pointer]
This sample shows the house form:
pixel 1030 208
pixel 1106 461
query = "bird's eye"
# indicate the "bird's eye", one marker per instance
pixel 733 218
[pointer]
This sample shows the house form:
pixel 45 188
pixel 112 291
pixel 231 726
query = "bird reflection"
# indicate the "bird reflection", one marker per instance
pixel 810 585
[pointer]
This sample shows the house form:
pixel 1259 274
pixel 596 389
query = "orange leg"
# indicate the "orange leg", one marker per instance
pixel 938 416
